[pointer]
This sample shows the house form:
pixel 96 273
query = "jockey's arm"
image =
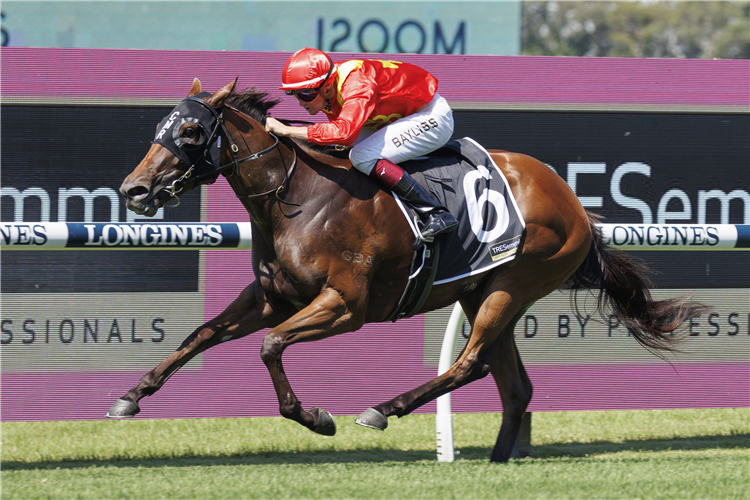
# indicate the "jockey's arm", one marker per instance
pixel 337 133
pixel 358 103
pixel 275 126
pixel 345 129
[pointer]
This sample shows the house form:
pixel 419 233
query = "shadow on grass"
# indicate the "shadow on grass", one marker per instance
pixel 572 450
pixel 578 450
pixel 261 458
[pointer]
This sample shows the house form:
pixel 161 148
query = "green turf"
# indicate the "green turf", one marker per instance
pixel 617 454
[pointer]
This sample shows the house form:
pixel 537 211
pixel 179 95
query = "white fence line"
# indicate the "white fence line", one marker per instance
pixel 124 236
pixel 709 237
pixel 194 236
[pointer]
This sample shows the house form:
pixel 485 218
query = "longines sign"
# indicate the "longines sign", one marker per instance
pixel 677 237
pixel 100 236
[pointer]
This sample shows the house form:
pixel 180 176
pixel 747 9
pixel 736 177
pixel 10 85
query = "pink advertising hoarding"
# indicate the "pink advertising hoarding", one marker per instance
pixel 53 371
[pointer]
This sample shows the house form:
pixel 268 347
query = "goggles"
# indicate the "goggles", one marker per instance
pixel 308 95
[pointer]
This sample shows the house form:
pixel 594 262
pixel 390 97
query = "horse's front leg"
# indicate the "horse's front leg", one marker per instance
pixel 248 313
pixel 326 316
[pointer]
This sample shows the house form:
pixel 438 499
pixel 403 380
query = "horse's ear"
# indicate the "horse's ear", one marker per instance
pixel 217 100
pixel 195 88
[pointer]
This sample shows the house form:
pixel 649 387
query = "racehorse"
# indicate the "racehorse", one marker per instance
pixel 308 209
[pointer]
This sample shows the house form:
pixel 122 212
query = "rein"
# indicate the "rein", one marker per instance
pixel 179 183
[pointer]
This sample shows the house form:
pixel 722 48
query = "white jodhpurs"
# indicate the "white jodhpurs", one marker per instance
pixel 429 128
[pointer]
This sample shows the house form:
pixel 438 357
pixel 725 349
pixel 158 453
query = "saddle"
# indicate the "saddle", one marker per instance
pixel 462 177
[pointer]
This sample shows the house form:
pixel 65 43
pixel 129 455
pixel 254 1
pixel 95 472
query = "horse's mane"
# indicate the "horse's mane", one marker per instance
pixel 253 103
pixel 256 104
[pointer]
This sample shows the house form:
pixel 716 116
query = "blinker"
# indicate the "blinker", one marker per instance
pixel 205 154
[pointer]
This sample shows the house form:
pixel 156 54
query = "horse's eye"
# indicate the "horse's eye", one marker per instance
pixel 191 138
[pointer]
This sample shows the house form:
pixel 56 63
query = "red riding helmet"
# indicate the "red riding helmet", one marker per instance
pixel 306 69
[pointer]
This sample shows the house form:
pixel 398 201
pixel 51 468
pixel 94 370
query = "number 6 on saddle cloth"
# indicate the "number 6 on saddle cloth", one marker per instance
pixel 463 178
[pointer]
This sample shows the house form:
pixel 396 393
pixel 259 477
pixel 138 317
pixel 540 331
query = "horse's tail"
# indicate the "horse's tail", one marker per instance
pixel 623 286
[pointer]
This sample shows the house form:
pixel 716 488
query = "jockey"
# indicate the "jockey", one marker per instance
pixel 389 111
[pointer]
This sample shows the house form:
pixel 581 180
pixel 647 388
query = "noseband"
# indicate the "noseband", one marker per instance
pixel 178 184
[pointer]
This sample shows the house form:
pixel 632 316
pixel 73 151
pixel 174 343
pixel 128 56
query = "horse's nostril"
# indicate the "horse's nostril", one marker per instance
pixel 137 191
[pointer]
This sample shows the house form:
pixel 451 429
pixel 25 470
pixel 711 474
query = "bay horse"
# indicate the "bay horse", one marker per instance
pixel 308 208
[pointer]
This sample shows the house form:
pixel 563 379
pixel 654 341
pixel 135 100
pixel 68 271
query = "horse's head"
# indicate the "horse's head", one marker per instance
pixel 184 154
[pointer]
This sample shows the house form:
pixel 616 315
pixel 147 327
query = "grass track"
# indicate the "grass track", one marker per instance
pixel 617 454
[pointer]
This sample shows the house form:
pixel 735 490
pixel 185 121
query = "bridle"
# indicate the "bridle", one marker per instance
pixel 178 184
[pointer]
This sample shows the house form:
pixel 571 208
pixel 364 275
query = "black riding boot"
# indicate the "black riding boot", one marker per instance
pixel 435 219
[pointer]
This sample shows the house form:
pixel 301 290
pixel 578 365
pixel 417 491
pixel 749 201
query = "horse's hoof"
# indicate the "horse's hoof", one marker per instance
pixel 325 423
pixel 373 419
pixel 123 409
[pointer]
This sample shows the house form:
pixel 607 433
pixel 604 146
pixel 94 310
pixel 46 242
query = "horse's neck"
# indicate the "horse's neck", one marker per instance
pixel 253 176
pixel 270 187
pixel 263 185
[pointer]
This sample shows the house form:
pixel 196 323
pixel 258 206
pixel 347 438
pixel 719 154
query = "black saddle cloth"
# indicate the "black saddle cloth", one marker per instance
pixel 462 177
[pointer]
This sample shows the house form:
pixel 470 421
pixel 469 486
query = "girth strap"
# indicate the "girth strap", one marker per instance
pixel 423 270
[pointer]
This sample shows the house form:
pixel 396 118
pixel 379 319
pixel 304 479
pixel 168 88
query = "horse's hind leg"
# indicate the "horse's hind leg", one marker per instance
pixel 512 382
pixel 515 391
pixel 248 313
pixel 498 309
